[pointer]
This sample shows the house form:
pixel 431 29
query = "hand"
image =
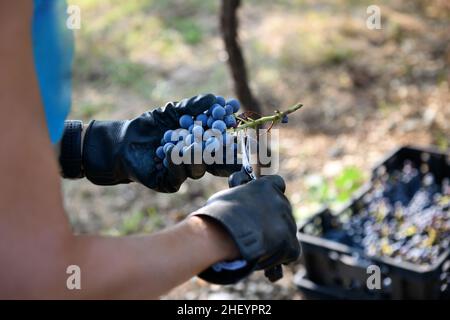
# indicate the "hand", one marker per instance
pixel 258 217
pixel 123 151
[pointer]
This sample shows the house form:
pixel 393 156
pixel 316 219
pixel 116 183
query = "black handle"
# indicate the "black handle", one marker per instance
pixel 274 273
pixel 236 179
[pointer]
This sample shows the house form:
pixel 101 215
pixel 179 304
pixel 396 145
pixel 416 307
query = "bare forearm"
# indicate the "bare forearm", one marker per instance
pixel 148 266
pixel 112 268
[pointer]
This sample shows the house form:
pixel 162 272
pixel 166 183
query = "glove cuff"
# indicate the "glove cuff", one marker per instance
pixel 101 153
pixel 70 158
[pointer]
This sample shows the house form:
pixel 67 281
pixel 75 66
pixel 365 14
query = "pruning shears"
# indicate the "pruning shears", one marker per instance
pixel 247 174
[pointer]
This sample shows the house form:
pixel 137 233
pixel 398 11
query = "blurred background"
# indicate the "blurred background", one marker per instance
pixel 365 92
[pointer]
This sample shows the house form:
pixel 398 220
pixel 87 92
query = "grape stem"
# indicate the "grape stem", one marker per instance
pixel 277 117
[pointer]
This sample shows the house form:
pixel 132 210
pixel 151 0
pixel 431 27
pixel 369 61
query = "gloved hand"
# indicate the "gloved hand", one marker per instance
pixel 123 151
pixel 258 217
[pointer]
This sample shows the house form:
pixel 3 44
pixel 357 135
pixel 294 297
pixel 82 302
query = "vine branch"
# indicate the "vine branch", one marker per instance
pixel 277 117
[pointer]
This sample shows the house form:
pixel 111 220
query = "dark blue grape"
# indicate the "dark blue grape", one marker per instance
pixel 168 136
pixel 203 118
pixel 220 100
pixel 285 119
pixel 230 121
pixel 186 121
pixel 210 122
pixel 167 146
pixel 219 125
pixel 211 109
pixel 235 104
pixel 160 152
pixel 229 109
pixel 218 113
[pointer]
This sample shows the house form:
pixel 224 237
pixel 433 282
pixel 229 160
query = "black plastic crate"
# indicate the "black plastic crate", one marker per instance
pixel 336 267
pixel 313 291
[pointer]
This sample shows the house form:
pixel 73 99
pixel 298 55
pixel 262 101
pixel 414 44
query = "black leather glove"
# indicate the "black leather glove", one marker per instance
pixel 123 151
pixel 258 216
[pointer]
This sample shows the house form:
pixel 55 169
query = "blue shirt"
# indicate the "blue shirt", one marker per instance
pixel 53 55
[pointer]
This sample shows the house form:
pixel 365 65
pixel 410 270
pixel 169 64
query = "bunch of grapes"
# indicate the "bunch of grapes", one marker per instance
pixel 404 216
pixel 206 131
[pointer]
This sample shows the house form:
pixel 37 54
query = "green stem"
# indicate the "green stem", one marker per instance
pixel 273 118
